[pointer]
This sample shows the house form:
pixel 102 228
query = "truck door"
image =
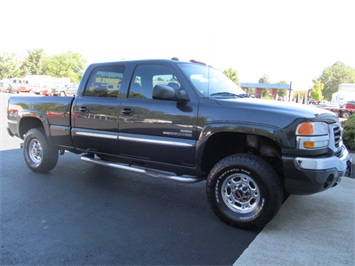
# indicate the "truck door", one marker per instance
pixel 95 111
pixel 157 130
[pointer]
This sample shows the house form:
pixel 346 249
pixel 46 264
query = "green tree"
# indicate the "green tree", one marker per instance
pixel 265 79
pixel 232 74
pixel 69 65
pixel 316 91
pixel 349 132
pixel 299 96
pixel 282 92
pixel 33 63
pixel 9 66
pixel 333 76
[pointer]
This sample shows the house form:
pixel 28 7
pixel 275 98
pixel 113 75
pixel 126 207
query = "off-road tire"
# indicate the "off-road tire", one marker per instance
pixel 244 191
pixel 40 155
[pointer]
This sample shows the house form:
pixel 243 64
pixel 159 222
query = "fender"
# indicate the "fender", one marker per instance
pixel 21 120
pixel 270 132
pixel 32 114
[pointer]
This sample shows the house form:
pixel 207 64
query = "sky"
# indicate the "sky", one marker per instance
pixel 290 40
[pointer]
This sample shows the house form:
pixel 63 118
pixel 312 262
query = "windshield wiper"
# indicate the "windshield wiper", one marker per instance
pixel 225 94
pixel 244 95
pixel 230 94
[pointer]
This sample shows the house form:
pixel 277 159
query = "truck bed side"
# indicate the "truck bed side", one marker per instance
pixel 52 114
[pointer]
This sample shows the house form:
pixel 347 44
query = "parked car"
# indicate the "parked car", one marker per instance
pixel 46 91
pixel 37 89
pixel 350 105
pixel 312 102
pixel 328 105
pixel 13 88
pixel 68 90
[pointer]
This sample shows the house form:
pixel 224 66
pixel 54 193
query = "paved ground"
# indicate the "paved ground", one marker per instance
pixel 310 230
pixel 83 214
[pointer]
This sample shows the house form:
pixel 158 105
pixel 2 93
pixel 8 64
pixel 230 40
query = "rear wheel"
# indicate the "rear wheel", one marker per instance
pixel 244 191
pixel 346 114
pixel 40 155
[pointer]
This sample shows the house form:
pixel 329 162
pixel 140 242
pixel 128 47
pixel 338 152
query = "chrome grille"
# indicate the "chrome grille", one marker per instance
pixel 337 136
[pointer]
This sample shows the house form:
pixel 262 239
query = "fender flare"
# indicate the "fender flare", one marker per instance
pixel 33 114
pixel 270 132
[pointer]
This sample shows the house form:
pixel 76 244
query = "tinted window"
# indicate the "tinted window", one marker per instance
pixel 105 82
pixel 147 76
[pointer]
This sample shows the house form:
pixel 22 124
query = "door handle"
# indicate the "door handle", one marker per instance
pixel 127 111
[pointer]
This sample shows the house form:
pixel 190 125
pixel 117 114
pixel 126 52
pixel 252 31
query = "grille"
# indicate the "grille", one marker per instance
pixel 337 136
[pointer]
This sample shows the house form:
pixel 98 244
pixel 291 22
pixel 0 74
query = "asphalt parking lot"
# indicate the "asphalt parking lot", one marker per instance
pixel 82 214
pixel 85 214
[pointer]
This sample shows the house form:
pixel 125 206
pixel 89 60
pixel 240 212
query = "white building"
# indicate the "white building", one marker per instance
pixel 345 93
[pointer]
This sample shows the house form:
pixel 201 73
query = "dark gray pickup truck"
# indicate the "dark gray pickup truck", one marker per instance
pixel 187 122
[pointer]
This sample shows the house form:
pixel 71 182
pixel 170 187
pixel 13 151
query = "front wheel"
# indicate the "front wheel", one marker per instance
pixel 244 191
pixel 40 155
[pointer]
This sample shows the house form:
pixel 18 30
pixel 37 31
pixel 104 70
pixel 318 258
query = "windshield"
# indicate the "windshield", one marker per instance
pixel 210 82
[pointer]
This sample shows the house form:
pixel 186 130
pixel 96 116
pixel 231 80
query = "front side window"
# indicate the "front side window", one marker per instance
pixel 147 76
pixel 105 82
pixel 210 82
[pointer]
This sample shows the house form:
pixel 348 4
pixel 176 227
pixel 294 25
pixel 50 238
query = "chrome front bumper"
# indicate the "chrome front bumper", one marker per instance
pixel 339 163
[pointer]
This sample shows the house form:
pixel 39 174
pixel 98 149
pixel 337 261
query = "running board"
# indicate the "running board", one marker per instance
pixel 151 172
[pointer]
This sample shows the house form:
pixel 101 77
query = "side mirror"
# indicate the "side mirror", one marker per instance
pixel 167 93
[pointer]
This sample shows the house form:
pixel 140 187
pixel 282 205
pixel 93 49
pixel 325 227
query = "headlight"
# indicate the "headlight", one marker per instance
pixel 312 128
pixel 312 135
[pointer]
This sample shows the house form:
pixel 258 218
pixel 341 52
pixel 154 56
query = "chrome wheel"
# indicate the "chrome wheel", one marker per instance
pixel 244 191
pixel 240 193
pixel 35 151
pixel 40 154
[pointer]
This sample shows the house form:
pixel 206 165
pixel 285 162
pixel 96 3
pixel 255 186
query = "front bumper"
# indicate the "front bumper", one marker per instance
pixel 311 175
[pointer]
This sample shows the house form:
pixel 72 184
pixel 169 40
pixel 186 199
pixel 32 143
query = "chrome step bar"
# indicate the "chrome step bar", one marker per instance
pixel 151 172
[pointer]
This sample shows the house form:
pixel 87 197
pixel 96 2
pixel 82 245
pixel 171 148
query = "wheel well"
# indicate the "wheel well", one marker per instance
pixel 28 123
pixel 221 145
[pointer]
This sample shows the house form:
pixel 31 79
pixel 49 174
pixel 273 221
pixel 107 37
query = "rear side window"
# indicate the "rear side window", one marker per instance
pixel 105 81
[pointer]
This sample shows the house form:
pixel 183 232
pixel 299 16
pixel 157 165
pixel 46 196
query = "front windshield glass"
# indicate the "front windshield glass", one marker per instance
pixel 210 82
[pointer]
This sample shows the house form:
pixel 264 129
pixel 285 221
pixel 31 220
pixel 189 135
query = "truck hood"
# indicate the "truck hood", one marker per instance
pixel 280 113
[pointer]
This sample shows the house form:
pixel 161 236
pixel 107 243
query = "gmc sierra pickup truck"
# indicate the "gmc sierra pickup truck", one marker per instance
pixel 187 122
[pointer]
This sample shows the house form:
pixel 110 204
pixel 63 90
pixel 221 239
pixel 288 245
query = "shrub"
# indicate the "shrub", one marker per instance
pixel 349 132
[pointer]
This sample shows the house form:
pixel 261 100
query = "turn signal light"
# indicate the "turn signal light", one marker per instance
pixel 309 144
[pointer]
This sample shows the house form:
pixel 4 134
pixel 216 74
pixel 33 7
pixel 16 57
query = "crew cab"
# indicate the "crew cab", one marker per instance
pixel 187 122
